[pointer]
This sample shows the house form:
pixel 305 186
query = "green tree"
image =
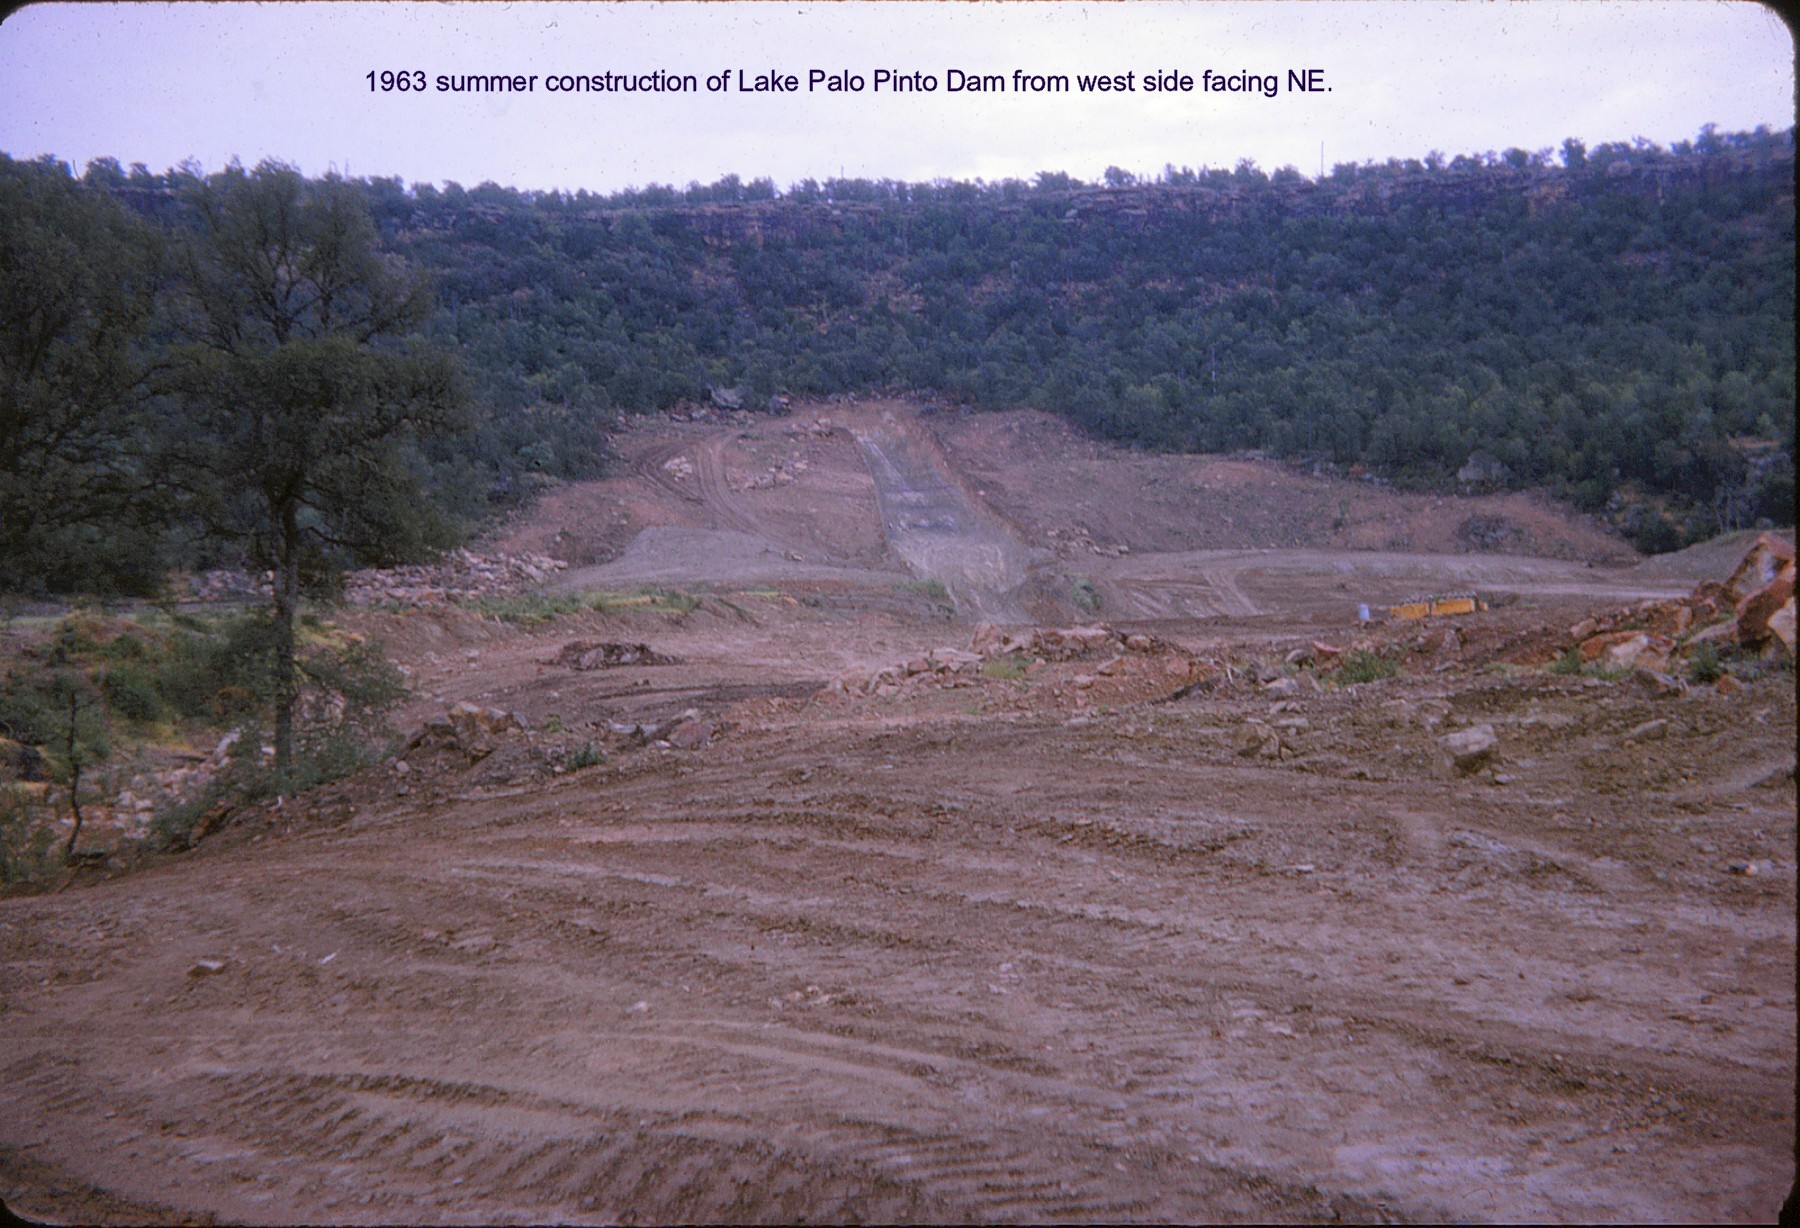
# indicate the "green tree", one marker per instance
pixel 304 394
pixel 78 287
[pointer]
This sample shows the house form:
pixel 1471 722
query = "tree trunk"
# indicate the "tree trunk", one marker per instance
pixel 287 605
pixel 74 755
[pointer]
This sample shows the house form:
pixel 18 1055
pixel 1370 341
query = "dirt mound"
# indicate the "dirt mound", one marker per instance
pixel 1080 497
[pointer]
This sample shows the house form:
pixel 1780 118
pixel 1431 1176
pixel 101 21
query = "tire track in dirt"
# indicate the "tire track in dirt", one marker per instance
pixel 989 973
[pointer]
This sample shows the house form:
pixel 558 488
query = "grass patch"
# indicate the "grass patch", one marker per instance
pixel 586 757
pixel 530 609
pixel 535 609
pixel 933 591
pixel 1008 667
pixel 1572 664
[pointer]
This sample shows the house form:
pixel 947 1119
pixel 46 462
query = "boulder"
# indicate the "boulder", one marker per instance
pixel 1634 649
pixel 1781 628
pixel 986 640
pixel 1718 634
pixel 1470 750
pixel 471 719
pixel 1656 683
pixel 954 660
pixel 1596 646
pixel 1755 610
pixel 1259 739
pixel 1762 563
pixel 691 733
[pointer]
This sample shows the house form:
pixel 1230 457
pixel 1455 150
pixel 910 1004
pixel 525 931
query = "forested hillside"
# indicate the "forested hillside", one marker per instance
pixel 1614 324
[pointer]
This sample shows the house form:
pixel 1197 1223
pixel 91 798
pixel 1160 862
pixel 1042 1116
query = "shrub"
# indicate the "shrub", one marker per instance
pixel 1360 665
pixel 1084 595
pixel 26 836
pixel 1705 665
pixel 1569 663
pixel 131 692
pixel 586 757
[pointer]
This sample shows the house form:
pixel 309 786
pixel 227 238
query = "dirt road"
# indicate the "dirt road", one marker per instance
pixel 935 527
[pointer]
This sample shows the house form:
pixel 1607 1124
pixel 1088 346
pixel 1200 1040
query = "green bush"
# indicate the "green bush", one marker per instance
pixel 934 592
pixel 132 692
pixel 26 836
pixel 1084 595
pixel 1569 663
pixel 586 757
pixel 1360 665
pixel 1704 666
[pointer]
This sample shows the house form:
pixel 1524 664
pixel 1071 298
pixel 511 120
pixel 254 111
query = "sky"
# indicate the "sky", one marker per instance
pixel 162 83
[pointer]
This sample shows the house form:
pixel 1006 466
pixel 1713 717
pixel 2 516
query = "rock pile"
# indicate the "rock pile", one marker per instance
pixel 607 654
pixel 1028 652
pixel 1752 612
pixel 944 667
pixel 1062 643
pixel 460 576
pixel 467 729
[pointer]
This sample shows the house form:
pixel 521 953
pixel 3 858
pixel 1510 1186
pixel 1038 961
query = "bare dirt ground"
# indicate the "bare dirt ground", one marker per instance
pixel 889 942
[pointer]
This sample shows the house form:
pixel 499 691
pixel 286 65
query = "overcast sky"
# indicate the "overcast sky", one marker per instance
pixel 159 83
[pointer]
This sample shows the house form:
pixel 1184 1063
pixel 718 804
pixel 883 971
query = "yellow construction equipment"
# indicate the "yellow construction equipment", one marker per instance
pixel 1437 605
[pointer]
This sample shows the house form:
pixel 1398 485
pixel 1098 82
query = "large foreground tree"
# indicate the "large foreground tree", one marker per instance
pixel 303 391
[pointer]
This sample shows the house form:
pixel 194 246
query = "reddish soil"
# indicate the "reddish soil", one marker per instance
pixel 1125 937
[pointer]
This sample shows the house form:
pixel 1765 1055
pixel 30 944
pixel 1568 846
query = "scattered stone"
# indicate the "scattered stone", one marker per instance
pixel 1282 686
pixel 1749 869
pixel 206 967
pixel 1649 731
